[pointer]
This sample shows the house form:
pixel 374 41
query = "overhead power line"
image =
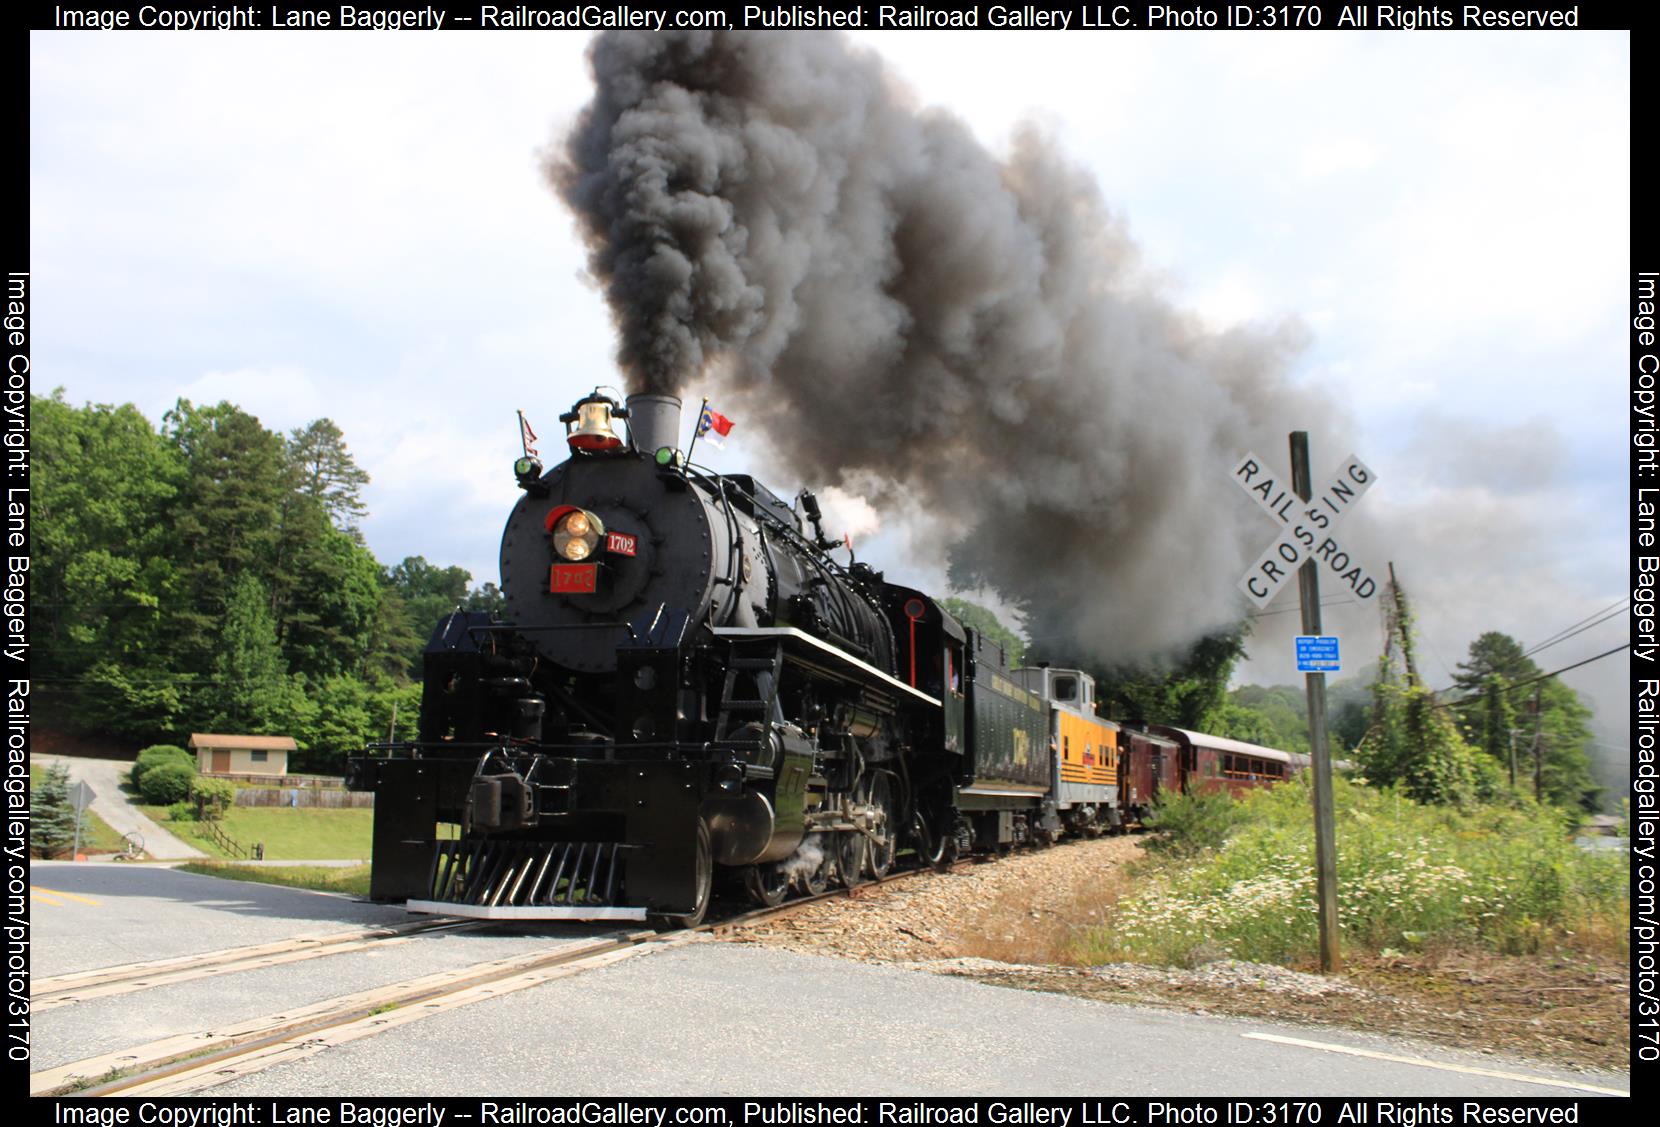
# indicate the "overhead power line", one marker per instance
pixel 1339 600
pixel 1540 677
pixel 1575 665
pixel 1617 609
pixel 1567 632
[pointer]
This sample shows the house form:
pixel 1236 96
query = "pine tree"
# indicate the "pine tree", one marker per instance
pixel 250 689
pixel 1559 730
pixel 326 473
pixel 228 520
pixel 53 827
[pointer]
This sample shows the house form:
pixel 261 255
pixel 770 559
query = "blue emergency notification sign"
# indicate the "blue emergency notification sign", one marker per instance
pixel 1317 653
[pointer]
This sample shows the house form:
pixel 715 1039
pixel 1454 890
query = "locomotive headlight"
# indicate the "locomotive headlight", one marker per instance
pixel 576 533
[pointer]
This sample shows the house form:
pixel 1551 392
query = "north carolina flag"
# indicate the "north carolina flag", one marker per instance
pixel 713 425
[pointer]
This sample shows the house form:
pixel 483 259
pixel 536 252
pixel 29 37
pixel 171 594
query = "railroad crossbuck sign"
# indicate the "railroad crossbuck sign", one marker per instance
pixel 1307 528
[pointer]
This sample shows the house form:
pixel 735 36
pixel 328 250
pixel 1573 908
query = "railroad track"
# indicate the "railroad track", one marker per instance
pixel 188 1063
pixel 83 986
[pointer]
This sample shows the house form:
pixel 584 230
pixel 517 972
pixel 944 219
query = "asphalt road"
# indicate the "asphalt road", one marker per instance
pixel 98 914
pixel 708 1019
pixel 723 1019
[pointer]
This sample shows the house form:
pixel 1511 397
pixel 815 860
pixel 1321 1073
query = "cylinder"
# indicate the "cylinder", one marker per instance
pixel 654 422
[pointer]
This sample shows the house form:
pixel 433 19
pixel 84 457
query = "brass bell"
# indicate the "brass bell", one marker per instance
pixel 588 424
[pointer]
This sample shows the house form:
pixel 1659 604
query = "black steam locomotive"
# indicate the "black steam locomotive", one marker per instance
pixel 688 685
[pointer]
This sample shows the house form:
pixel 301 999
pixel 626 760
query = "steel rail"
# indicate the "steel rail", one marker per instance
pixel 192 1062
pixel 104 982
pixel 195 1054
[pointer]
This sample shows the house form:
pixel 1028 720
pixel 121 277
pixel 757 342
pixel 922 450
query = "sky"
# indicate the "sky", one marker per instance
pixel 356 226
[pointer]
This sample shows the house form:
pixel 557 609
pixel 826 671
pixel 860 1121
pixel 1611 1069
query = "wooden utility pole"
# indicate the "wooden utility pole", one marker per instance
pixel 1538 744
pixel 1325 834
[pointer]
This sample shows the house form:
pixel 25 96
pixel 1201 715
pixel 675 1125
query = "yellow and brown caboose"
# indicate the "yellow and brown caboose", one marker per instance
pixel 1084 750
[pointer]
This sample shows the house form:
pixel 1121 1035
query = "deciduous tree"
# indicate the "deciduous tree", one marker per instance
pixel 1186 695
pixel 983 619
pixel 102 567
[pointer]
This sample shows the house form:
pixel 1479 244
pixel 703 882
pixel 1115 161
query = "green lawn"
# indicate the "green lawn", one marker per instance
pixel 353 881
pixel 288 833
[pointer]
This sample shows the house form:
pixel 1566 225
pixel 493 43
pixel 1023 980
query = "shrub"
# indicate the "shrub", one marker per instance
pixel 212 797
pixel 181 812
pixel 1189 824
pixel 166 784
pixel 155 756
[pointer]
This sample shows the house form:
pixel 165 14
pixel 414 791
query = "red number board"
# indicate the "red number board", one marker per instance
pixel 621 543
pixel 573 579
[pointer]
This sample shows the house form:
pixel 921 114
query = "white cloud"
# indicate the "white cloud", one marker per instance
pixel 1233 296
pixel 282 396
pixel 1343 154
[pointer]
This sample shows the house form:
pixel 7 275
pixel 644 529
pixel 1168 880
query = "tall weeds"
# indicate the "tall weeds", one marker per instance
pixel 1498 878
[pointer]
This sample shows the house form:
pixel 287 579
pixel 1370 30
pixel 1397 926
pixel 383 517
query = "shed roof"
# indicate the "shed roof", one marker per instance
pixel 241 743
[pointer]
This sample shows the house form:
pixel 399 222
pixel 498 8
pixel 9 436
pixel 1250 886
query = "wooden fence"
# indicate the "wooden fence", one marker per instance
pixel 230 845
pixel 303 796
pixel 325 781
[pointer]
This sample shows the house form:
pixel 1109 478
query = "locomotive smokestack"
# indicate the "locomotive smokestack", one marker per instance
pixel 654 422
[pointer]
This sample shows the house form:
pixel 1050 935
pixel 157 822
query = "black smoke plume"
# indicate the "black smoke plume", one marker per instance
pixel 969 342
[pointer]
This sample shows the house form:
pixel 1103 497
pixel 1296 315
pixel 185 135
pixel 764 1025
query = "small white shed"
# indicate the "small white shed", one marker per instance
pixel 241 755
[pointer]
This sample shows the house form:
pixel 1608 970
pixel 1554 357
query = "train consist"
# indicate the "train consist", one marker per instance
pixel 687 687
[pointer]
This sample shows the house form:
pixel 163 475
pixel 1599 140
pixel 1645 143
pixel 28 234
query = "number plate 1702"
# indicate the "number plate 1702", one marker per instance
pixel 573 579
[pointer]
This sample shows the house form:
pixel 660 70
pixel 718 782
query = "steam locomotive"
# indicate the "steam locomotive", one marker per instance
pixel 687 686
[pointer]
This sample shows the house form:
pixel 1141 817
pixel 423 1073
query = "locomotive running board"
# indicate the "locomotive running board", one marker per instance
pixel 535 912
pixel 825 649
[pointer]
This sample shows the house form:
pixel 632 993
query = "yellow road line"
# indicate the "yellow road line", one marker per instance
pixel 1522 1077
pixel 46 896
pixel 71 895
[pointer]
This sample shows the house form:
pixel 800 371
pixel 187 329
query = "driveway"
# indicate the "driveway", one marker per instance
pixel 109 802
